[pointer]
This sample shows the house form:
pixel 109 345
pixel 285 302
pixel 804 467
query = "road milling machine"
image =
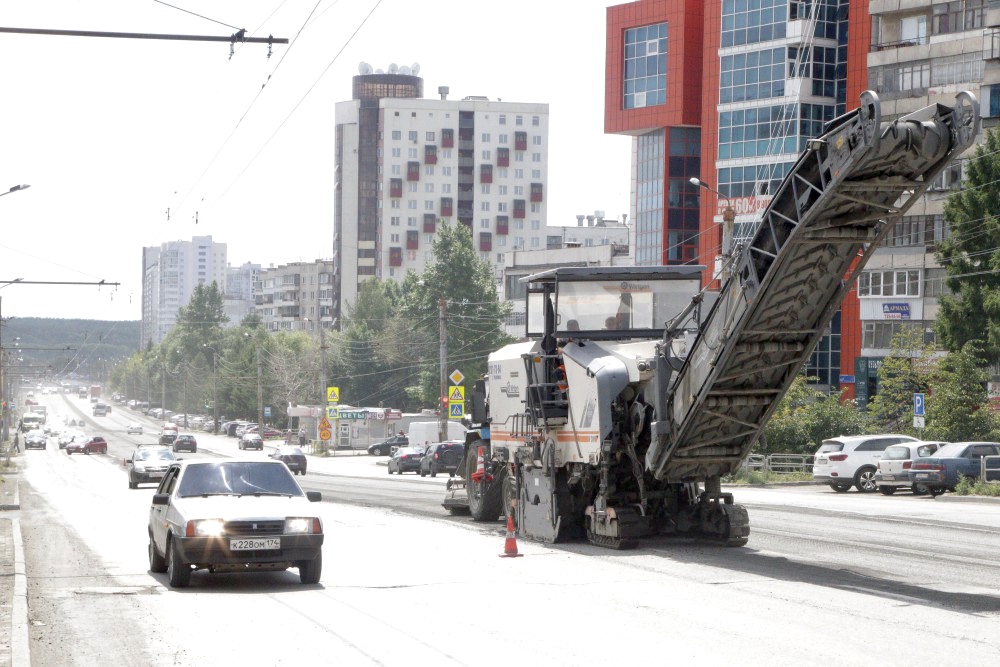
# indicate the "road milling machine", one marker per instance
pixel 636 392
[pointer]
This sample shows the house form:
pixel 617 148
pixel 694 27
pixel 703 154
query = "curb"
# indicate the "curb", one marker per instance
pixel 951 498
pixel 20 646
pixel 16 503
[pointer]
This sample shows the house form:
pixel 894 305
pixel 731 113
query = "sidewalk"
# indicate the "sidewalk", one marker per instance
pixel 14 647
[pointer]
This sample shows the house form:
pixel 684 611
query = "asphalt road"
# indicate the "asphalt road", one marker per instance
pixel 846 577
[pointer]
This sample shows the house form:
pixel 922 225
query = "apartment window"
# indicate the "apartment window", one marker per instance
pixel 518 120
pixel 958 16
pixel 428 187
pixel 520 141
pixel 536 157
pixel 428 170
pixel 486 155
pixel 889 283
pixel 536 140
pixel 429 136
pixel 485 242
pixel 395 170
pixel 484 223
pixel 411 153
pixel 503 119
pixel 411 187
pixel 411 222
pixel 395 256
pixel 412 204
pixel 484 189
pixel 503 139
pixel 486 173
pixel 396 135
pixel 536 121
pixel 485 137
pixel 428 204
pixel 484 206
pixel 412 135
pixel 397 152
pixel 394 238
pixel 394 221
pixel 880 334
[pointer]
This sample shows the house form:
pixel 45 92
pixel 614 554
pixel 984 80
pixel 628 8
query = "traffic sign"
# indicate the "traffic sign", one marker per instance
pixel 267 410
pixel 332 412
pixel 456 377
pixel 324 434
pixel 918 405
pixel 333 394
pixel 324 424
pixel 456 410
pixel 918 422
pixel 456 394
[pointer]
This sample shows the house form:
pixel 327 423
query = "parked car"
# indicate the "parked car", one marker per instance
pixel 233 516
pixel 35 439
pixel 384 448
pixel 242 428
pixel 949 464
pixel 848 461
pixel 95 444
pixel 252 441
pixel 148 463
pixel 291 456
pixel 134 427
pixel 268 433
pixel 894 467
pixel 406 459
pixel 442 457
pixel 185 442
pixel 168 434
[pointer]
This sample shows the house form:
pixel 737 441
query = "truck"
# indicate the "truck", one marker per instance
pixel 421 433
pixel 95 392
pixel 638 389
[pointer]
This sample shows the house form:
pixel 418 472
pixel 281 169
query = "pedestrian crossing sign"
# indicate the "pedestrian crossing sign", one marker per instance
pixel 456 394
pixel 333 394
pixel 456 410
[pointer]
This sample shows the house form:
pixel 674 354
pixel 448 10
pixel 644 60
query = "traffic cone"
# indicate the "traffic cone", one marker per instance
pixel 510 544
pixel 481 473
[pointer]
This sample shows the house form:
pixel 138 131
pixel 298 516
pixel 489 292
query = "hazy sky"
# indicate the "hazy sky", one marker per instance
pixel 111 133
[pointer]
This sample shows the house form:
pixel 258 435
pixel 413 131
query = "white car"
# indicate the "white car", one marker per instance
pixel 134 427
pixel 894 467
pixel 848 461
pixel 233 515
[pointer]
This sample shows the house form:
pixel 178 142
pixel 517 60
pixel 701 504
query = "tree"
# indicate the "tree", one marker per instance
pixel 805 417
pixel 958 407
pixel 475 315
pixel 971 257
pixel 907 370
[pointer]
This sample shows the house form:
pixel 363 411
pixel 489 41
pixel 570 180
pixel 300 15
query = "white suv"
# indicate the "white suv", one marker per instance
pixel 848 461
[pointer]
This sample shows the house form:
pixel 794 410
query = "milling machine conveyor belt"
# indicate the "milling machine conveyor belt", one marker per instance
pixel 829 214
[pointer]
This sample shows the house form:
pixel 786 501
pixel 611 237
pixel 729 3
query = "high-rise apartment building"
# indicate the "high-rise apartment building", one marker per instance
pixel 919 53
pixel 241 289
pixel 170 272
pixel 405 164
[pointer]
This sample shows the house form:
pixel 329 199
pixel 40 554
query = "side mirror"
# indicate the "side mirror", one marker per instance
pixel 126 462
pixel 161 499
pixel 314 496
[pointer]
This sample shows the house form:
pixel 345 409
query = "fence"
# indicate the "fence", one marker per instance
pixel 782 463
pixel 990 469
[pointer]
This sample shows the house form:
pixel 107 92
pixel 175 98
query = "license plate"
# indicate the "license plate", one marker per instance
pixel 889 478
pixel 254 543
pixel 922 475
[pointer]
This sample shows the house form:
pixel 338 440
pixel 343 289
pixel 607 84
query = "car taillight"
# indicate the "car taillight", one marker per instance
pixel 838 457
pixel 928 466
pixel 907 464
pixel 435 456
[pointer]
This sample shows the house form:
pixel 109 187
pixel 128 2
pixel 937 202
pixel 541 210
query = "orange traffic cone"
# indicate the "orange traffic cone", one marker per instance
pixel 510 544
pixel 481 473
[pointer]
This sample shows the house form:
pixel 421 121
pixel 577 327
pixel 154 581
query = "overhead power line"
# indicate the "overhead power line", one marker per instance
pixel 238 36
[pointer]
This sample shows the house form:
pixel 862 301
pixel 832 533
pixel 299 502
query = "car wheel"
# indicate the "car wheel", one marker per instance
pixel 434 471
pixel 864 480
pixel 920 489
pixel 157 563
pixel 841 488
pixel 132 484
pixel 887 490
pixel 310 570
pixel 178 573
pixel 390 470
pixel 935 491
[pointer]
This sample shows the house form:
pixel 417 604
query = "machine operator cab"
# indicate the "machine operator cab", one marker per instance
pixel 607 303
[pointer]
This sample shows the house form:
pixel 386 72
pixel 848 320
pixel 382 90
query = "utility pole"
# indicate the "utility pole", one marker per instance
pixel 443 335
pixel 260 395
pixel 163 389
pixel 215 392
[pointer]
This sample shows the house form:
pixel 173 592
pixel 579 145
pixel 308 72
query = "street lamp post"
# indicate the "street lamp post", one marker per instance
pixel 15 188
pixel 728 220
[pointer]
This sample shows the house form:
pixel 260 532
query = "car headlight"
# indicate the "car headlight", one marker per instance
pixel 298 525
pixel 205 528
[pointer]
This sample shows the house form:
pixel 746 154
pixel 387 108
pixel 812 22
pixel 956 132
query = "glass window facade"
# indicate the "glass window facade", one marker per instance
pixel 684 161
pixel 752 21
pixel 824 362
pixel 761 131
pixel 645 66
pixel 649 198
pixel 755 75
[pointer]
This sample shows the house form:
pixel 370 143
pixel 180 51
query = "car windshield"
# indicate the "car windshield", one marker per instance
pixel 950 450
pixel 238 478
pixel 154 453
pixel 927 450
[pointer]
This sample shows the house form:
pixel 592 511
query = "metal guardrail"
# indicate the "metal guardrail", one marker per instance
pixel 990 469
pixel 781 463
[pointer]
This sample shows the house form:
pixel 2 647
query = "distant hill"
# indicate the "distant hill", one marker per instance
pixel 66 349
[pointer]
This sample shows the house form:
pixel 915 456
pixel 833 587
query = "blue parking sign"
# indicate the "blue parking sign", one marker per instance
pixel 918 405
